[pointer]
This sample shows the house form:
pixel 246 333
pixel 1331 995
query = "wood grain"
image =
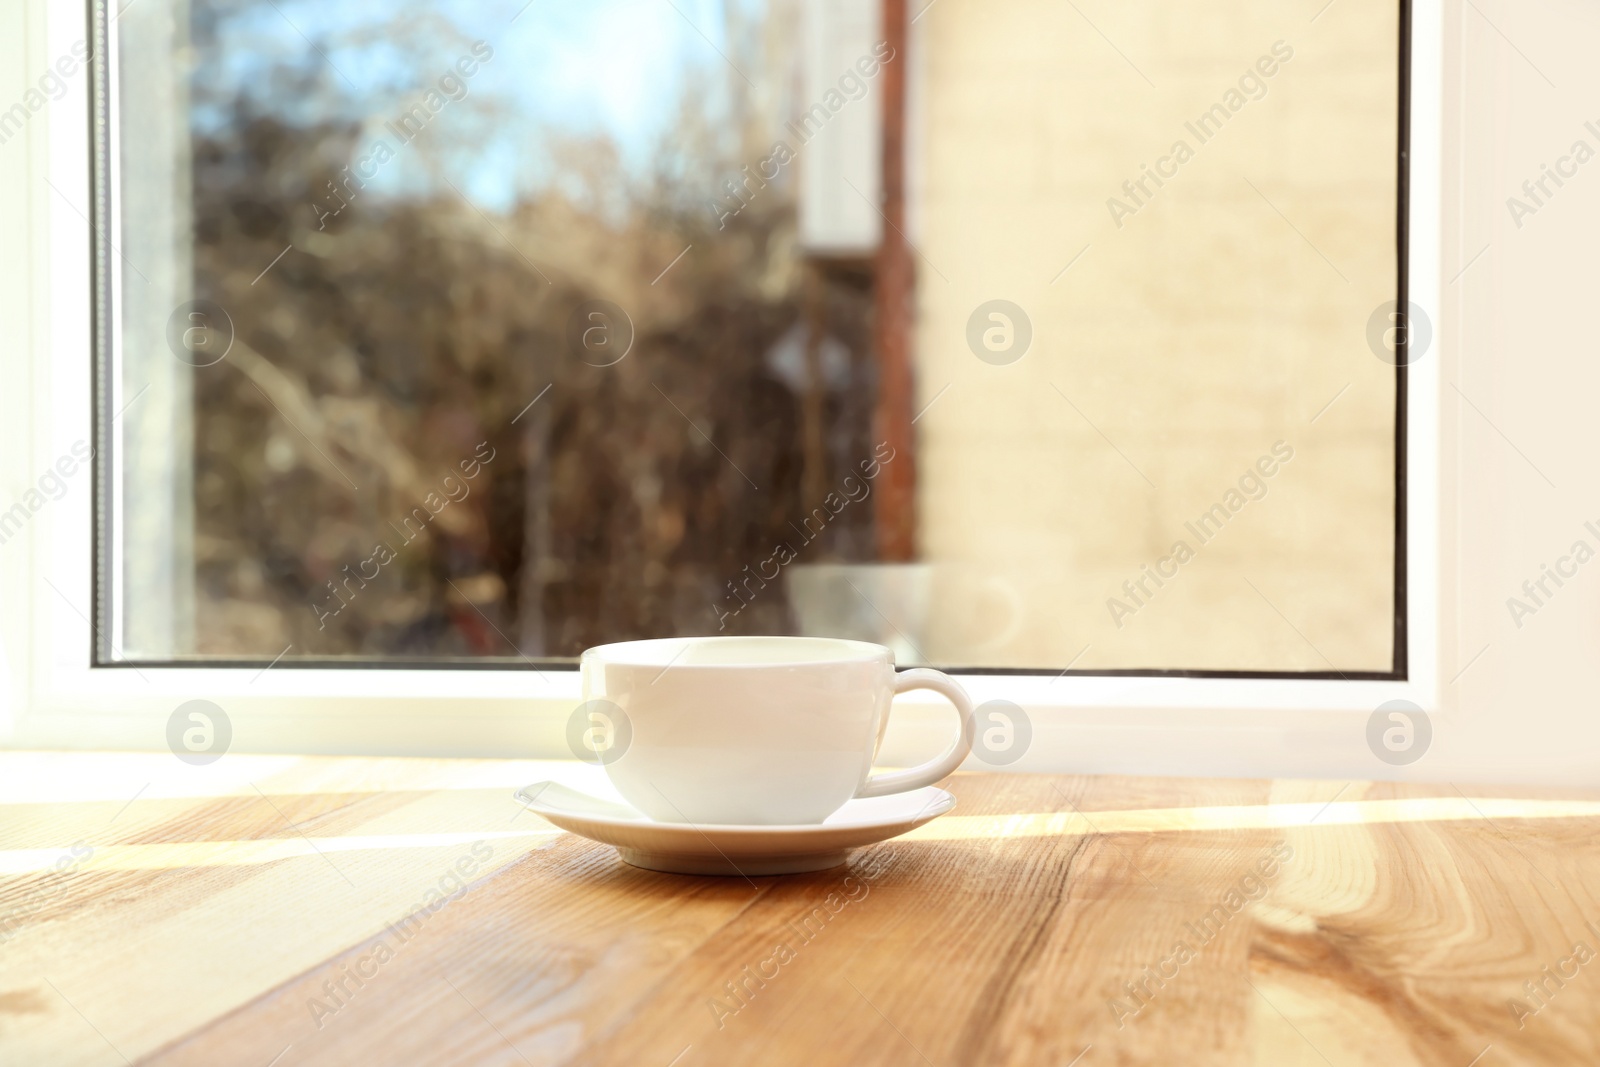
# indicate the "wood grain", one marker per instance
pixel 264 911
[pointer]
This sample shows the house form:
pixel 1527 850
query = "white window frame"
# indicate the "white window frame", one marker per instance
pixel 52 697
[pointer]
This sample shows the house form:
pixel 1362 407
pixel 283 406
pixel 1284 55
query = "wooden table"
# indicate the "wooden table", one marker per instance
pixel 255 912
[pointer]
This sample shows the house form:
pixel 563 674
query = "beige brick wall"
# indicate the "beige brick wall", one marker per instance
pixel 1193 337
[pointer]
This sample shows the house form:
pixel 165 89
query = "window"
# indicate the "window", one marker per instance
pixel 432 336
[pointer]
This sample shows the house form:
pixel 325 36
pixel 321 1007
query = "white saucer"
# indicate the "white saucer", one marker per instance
pixel 682 848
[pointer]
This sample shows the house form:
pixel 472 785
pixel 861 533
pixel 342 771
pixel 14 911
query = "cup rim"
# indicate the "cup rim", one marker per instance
pixel 664 651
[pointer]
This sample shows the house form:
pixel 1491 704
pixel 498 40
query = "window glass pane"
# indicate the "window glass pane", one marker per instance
pixel 444 333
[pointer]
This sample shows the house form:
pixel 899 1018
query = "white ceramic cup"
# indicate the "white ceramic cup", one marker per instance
pixel 756 730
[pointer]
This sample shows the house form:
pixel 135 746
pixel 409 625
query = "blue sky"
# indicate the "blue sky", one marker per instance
pixel 616 67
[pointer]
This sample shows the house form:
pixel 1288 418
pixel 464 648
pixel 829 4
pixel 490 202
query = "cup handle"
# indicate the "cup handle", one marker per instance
pixel 945 764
